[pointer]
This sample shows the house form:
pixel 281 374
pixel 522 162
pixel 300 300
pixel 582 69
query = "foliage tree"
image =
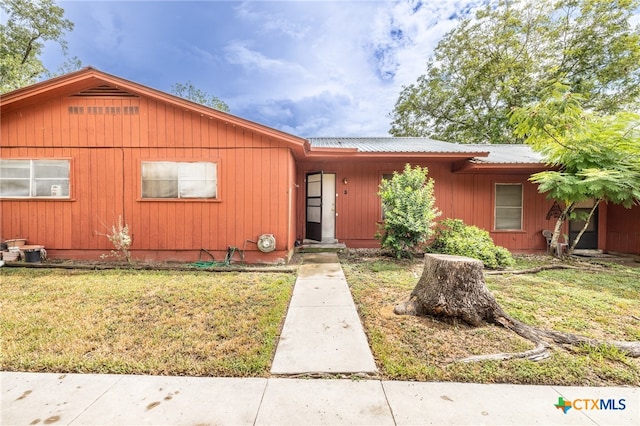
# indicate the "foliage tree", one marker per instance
pixel 29 24
pixel 409 210
pixel 504 56
pixel 192 93
pixel 593 155
pixel 69 65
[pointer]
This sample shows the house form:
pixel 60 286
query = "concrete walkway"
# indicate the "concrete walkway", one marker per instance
pixel 322 332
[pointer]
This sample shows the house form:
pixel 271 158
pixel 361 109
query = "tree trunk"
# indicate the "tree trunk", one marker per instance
pixel 558 228
pixel 453 287
pixel 584 228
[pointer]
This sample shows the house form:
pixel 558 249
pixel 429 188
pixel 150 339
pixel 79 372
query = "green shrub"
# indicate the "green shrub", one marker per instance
pixel 453 236
pixel 409 211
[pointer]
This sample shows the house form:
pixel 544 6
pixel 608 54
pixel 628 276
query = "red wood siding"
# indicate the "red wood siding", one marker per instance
pixel 469 197
pixel 261 176
pixel 255 180
pixel 623 229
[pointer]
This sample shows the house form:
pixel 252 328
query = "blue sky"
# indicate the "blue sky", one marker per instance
pixel 310 68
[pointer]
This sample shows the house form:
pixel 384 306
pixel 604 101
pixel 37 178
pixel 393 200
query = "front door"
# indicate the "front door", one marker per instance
pixel 321 207
pixel 589 239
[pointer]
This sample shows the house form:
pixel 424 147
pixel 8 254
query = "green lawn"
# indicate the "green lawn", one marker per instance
pixel 227 324
pixel 141 322
pixel 603 304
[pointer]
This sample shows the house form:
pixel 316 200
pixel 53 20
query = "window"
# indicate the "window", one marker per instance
pixel 34 178
pixel 168 179
pixel 508 215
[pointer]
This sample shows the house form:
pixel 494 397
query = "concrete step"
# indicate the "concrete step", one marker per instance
pixel 315 247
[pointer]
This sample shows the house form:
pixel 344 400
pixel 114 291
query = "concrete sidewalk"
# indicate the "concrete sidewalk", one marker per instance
pixel 322 332
pixel 89 399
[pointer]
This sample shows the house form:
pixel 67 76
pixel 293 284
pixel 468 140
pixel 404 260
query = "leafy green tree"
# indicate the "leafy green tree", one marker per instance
pixel 190 92
pixel 29 24
pixel 593 155
pixel 504 56
pixel 71 64
pixel 409 210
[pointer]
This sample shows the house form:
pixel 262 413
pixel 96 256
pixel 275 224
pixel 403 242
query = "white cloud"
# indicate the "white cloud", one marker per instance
pixel 109 34
pixel 335 68
pixel 421 25
pixel 238 53
pixel 271 22
pixel 363 52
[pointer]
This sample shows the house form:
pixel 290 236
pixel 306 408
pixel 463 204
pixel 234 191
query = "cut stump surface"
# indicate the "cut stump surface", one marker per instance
pixel 452 287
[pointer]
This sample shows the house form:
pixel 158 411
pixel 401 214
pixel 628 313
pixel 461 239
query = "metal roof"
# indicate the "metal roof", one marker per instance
pixel 498 154
pixel 391 144
pixel 508 154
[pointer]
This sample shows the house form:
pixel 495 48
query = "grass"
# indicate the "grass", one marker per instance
pixel 603 305
pixel 141 322
pixel 227 324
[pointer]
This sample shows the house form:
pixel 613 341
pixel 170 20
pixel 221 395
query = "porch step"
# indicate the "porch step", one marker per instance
pixel 309 247
pixel 589 252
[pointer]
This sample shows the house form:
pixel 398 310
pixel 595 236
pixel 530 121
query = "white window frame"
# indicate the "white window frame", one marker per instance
pixel 184 179
pixel 497 207
pixel 61 189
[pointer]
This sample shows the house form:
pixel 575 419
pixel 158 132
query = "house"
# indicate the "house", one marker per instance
pixel 81 150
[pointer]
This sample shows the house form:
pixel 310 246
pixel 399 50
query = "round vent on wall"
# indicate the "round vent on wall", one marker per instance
pixel 266 243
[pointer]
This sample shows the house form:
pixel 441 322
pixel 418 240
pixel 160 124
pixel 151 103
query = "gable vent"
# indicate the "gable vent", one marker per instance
pixel 105 90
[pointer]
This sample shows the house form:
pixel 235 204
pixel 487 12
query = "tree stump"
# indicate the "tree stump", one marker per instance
pixel 452 287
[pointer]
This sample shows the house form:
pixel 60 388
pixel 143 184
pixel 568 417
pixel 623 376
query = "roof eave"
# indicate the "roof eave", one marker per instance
pixel 77 80
pixel 523 168
pixel 354 153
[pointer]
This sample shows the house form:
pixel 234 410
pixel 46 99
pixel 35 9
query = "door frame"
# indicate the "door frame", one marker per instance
pixel 313 206
pixel 320 206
